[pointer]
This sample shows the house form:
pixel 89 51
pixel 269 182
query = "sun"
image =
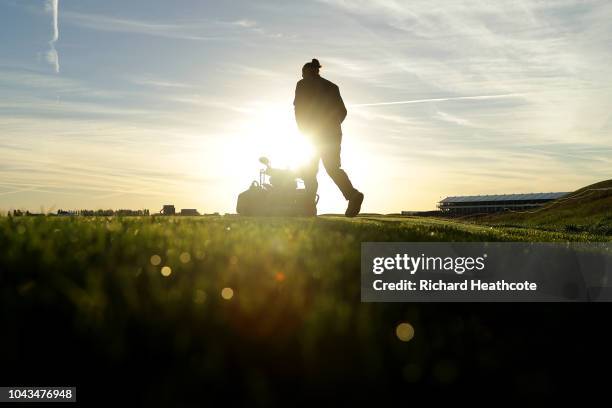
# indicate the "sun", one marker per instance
pixel 270 131
pixel 265 129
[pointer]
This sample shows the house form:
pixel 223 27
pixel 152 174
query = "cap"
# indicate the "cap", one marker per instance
pixel 315 63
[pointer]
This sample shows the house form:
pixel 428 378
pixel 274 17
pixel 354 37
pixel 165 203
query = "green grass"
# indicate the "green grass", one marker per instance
pixel 91 291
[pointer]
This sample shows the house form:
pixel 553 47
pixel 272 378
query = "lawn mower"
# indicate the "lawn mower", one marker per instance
pixel 276 194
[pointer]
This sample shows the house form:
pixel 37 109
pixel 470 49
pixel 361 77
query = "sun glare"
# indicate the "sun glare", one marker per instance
pixel 271 131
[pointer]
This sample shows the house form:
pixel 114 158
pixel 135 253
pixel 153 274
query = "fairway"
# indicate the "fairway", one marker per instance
pixel 260 305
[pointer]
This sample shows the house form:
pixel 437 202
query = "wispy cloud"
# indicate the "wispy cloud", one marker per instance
pixel 185 31
pixel 159 83
pixel 245 23
pixel 452 119
pixel 190 29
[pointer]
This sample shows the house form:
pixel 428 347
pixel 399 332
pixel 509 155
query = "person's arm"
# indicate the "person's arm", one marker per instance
pixel 298 106
pixel 341 108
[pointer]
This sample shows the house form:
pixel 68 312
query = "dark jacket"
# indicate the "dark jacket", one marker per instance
pixel 319 109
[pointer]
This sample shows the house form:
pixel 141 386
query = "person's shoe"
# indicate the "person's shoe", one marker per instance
pixel 354 205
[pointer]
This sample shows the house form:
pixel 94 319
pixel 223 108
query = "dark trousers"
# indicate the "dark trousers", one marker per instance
pixel 328 152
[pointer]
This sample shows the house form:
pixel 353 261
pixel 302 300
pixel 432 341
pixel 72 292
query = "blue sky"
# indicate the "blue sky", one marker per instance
pixel 142 103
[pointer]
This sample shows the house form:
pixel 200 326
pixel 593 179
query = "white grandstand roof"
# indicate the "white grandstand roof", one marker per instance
pixel 503 197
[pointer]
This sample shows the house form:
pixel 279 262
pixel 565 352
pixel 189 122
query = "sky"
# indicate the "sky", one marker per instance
pixel 115 104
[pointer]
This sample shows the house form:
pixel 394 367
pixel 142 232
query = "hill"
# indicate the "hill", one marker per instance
pixel 588 209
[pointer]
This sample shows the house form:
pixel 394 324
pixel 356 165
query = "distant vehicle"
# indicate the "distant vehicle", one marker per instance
pixel 189 211
pixel 279 196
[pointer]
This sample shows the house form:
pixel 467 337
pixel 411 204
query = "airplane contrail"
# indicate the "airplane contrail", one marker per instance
pixel 52 56
pixel 453 98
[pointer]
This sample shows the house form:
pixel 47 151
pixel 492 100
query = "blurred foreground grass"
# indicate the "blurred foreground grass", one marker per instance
pixel 259 309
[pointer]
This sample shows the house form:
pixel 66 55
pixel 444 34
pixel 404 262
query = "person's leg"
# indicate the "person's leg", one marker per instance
pixel 311 185
pixel 330 155
pixel 309 175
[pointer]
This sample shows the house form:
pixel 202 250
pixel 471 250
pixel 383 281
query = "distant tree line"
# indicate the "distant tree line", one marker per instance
pixel 83 213
pixel 101 213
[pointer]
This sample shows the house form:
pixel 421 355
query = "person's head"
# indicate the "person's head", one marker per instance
pixel 311 69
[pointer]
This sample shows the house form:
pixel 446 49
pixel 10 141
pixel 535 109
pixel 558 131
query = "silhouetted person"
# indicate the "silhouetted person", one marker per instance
pixel 319 112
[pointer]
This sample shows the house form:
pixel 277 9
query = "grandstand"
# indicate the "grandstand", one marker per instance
pixel 484 204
